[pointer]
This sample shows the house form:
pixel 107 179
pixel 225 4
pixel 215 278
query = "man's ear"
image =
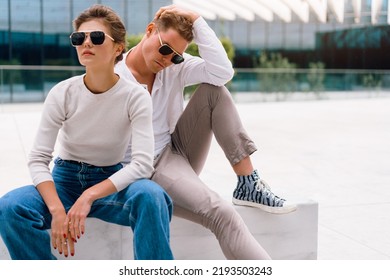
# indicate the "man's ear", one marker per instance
pixel 149 28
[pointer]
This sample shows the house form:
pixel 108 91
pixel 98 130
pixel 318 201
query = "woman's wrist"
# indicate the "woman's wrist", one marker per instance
pixel 56 209
pixel 89 195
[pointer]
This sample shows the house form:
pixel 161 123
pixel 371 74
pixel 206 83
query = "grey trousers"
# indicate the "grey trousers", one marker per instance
pixel 210 110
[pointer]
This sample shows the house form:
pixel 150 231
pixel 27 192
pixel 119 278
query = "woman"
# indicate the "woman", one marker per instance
pixel 94 116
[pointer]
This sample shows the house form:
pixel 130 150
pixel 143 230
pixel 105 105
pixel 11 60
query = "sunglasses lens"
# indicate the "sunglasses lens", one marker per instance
pixel 77 38
pixel 165 50
pixel 177 59
pixel 97 37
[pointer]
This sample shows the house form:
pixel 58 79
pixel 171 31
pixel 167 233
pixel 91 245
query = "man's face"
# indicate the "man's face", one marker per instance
pixel 156 61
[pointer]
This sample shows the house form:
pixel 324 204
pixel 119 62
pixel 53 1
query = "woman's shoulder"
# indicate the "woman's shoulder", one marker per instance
pixel 135 96
pixel 64 91
pixel 72 81
pixel 133 88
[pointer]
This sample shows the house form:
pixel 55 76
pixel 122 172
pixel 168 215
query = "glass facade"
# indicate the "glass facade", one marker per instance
pixel 37 32
pixel 358 48
pixel 349 44
pixel 35 52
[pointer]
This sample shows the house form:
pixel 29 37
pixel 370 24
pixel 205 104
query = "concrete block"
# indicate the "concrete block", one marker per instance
pixel 287 236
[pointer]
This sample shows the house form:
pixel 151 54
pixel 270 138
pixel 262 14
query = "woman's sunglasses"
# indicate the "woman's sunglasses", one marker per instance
pixel 97 37
pixel 166 49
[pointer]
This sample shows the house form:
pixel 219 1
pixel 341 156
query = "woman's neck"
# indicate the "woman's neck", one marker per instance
pixel 99 81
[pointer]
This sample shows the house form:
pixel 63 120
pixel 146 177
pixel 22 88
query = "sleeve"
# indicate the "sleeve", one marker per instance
pixel 41 154
pixel 213 66
pixel 142 139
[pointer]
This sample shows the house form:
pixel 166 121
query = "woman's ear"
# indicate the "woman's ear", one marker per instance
pixel 120 49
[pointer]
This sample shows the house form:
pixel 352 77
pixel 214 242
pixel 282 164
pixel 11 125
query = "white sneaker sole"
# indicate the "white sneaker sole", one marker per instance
pixel 273 210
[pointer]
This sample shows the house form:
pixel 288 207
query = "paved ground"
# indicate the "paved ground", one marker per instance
pixel 336 152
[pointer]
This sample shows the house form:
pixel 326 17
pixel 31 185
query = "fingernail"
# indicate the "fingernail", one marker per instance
pixel 64 235
pixel 72 254
pixel 66 256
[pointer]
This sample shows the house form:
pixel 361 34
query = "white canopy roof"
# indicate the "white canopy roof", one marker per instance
pixel 268 10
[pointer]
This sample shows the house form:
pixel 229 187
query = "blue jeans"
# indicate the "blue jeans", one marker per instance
pixel 144 206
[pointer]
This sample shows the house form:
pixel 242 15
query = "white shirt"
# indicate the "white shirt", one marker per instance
pixel 95 129
pixel 213 67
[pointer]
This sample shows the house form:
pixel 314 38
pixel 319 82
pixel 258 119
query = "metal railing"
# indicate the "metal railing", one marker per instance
pixel 309 80
pixel 31 83
pixel 21 83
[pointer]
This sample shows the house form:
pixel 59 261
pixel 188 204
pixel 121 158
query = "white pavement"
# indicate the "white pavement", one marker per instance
pixel 336 152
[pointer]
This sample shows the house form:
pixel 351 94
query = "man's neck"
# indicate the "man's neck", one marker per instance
pixel 136 64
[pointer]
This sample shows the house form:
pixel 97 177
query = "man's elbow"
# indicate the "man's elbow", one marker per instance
pixel 224 77
pixel 230 73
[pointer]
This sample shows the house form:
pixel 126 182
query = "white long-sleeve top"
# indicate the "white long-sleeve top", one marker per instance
pixel 95 129
pixel 213 67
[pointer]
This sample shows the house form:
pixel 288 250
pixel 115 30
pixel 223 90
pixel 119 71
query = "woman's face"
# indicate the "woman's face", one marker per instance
pixel 97 55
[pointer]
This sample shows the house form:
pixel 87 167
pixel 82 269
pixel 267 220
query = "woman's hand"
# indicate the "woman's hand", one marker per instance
pixel 173 9
pixel 60 237
pixel 77 214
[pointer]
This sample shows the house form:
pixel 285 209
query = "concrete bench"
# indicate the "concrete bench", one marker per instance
pixel 288 236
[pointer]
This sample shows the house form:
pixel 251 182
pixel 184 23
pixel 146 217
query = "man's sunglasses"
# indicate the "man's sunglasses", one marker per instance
pixel 166 49
pixel 97 37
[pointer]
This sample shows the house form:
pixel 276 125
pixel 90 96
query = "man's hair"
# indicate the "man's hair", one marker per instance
pixel 109 18
pixel 182 25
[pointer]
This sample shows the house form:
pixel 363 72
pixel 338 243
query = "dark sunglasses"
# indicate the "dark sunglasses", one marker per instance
pixel 166 49
pixel 97 37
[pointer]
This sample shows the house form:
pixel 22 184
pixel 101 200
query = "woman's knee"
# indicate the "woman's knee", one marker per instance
pixel 4 207
pixel 19 202
pixel 151 194
pixel 9 208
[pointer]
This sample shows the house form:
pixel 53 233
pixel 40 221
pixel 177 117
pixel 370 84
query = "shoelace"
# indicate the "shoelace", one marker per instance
pixel 263 187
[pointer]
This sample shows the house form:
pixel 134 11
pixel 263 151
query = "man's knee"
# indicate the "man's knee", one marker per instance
pixel 214 94
pixel 212 88
pixel 224 217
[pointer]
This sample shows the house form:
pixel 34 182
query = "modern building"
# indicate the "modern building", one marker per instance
pixel 37 32
pixel 341 33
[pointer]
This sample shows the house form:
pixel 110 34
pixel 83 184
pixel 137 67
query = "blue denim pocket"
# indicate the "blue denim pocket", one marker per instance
pixel 58 161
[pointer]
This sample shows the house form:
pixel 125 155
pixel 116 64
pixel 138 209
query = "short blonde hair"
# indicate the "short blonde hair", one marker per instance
pixel 182 25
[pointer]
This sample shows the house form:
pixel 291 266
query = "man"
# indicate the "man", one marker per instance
pixel 182 138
